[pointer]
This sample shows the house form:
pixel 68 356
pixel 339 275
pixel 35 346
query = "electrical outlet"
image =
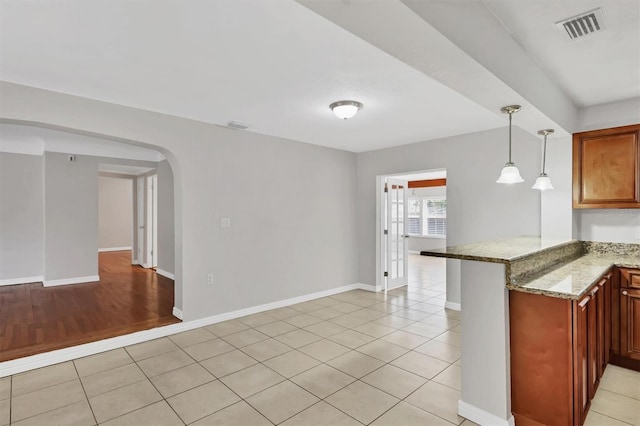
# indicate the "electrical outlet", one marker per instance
pixel 209 278
pixel 225 222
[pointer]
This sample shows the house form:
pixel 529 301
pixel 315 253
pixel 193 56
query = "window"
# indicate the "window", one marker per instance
pixel 427 216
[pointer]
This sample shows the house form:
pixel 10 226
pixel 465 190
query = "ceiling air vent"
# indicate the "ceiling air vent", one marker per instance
pixel 582 25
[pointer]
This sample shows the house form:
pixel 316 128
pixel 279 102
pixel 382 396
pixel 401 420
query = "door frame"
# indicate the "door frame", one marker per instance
pixel 380 225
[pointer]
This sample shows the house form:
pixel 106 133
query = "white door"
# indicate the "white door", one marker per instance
pixel 140 199
pixel 396 233
pixel 152 222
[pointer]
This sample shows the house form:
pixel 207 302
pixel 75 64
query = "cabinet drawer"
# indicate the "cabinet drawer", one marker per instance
pixel 630 278
pixel 635 279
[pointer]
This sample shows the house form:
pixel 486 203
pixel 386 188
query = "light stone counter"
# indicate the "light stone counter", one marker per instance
pixel 572 280
pixel 499 251
pixel 563 269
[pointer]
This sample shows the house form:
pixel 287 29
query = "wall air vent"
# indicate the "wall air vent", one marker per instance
pixel 237 125
pixel 582 25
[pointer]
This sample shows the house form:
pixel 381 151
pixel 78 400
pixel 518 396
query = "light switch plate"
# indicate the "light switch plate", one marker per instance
pixel 225 222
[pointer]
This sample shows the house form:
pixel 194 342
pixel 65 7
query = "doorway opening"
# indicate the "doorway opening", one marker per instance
pixel 411 218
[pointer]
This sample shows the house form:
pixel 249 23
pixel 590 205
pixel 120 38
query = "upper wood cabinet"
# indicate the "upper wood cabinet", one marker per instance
pixel 606 168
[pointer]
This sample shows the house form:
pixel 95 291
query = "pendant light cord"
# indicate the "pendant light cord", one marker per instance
pixel 544 154
pixel 510 114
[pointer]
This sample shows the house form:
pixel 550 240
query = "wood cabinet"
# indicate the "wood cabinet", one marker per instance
pixel 606 168
pixel 581 360
pixel 630 313
pixel 625 316
pixel 558 354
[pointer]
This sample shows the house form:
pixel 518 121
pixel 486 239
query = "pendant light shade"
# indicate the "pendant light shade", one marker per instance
pixel 345 109
pixel 510 173
pixel 543 182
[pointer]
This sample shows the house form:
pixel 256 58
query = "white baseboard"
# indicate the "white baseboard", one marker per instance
pixel 23 280
pixel 165 274
pixel 136 262
pixel 177 313
pixel 483 418
pixel 101 250
pixel 76 280
pixel 145 265
pixel 20 365
pixel 453 306
pixel 413 251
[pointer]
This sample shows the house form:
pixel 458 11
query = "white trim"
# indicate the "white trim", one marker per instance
pixel 165 274
pixel 145 265
pixel 102 250
pixel 20 365
pixel 413 251
pixel 452 305
pixel 398 286
pixel 23 280
pixel 135 262
pixel 177 313
pixel 76 280
pixel 482 417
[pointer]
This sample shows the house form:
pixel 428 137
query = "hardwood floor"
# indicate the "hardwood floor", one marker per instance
pixel 35 319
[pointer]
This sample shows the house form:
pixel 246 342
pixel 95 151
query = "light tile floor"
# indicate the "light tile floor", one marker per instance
pixel 350 359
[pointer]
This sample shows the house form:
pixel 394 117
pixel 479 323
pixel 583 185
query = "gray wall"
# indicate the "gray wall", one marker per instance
pixel 71 217
pixel 166 238
pixel 292 205
pixel 115 212
pixel 21 216
pixel 71 214
pixel 477 208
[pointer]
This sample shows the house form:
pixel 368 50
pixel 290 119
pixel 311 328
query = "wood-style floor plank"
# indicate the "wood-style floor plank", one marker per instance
pixel 36 319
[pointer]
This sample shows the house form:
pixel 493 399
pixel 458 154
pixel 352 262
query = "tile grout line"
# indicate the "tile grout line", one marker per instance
pixel 85 393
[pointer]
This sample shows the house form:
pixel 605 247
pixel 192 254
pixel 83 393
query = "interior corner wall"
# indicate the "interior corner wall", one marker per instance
pixel 71 217
pixel 115 213
pixel 556 205
pixel 477 207
pixel 166 237
pixel 21 217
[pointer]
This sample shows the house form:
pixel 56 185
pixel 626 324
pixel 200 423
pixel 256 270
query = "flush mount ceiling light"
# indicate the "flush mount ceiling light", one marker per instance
pixel 510 173
pixel 543 182
pixel 345 109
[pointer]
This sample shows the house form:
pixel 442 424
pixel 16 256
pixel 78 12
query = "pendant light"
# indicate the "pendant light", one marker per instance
pixel 510 173
pixel 543 182
pixel 345 109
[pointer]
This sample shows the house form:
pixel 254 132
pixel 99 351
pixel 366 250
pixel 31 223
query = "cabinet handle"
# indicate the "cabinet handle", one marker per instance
pixel 624 293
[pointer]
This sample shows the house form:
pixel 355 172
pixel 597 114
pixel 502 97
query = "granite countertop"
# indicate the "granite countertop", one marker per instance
pixel 571 280
pixel 498 251
pixel 555 268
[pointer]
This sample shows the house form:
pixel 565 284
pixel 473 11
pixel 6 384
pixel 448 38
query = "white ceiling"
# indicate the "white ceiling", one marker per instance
pixel 603 67
pixel 277 65
pixel 122 169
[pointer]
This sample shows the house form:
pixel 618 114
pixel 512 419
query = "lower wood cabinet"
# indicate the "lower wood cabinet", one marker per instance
pixel 558 354
pixel 625 315
pixel 630 323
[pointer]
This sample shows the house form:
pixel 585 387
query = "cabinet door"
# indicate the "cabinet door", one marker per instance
pixel 581 389
pixel 606 168
pixel 630 323
pixel 607 318
pixel 592 341
pixel 600 327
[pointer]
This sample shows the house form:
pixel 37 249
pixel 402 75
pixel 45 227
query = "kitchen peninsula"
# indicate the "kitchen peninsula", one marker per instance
pixel 537 329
